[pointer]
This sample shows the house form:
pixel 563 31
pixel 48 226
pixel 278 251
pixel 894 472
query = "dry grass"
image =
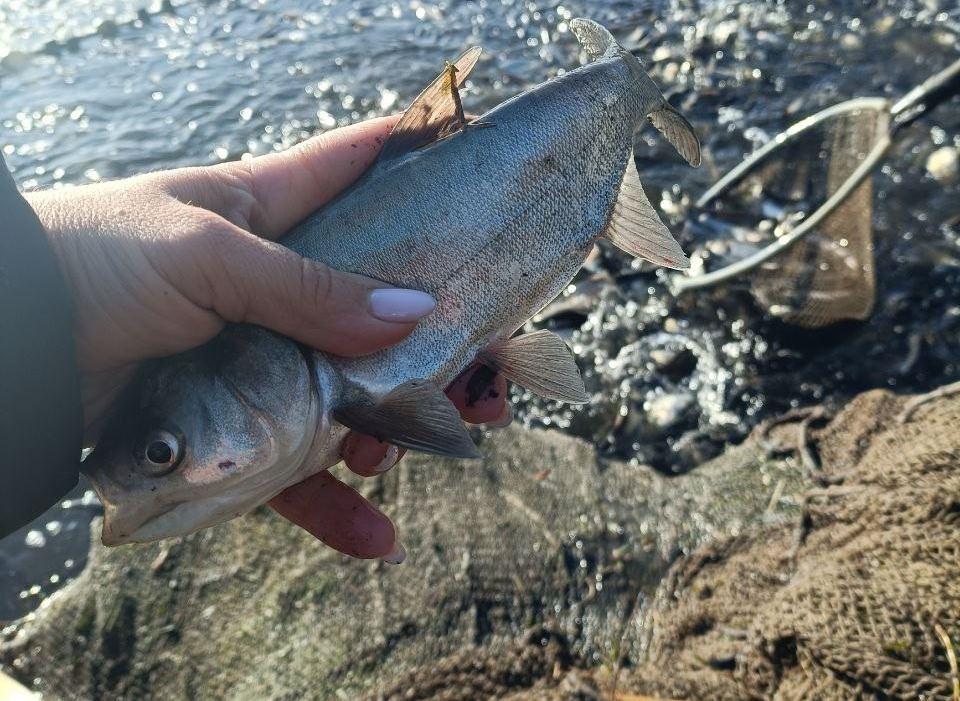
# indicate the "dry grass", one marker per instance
pixel 951 658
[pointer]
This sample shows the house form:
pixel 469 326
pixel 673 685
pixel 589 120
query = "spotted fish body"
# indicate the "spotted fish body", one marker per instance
pixel 492 218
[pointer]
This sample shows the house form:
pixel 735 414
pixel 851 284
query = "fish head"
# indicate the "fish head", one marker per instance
pixel 205 436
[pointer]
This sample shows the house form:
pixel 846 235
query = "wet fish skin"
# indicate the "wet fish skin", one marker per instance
pixel 493 221
pixel 501 217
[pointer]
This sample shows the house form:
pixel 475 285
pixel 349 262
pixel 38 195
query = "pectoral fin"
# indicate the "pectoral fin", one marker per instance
pixel 636 228
pixel 677 130
pixel 415 415
pixel 436 112
pixel 541 362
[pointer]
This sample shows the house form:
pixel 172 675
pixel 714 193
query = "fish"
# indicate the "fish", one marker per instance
pixel 492 216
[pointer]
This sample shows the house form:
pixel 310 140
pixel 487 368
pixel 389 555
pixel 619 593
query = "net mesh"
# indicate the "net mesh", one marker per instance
pixel 827 276
pixel 501 596
pixel 847 607
pixel 861 600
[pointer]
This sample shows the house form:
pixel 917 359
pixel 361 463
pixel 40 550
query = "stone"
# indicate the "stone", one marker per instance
pixel 944 165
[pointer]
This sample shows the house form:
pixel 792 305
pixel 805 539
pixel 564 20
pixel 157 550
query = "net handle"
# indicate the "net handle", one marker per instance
pixel 681 283
pixel 932 92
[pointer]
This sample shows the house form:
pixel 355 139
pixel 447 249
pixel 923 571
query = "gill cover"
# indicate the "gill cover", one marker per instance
pixel 205 436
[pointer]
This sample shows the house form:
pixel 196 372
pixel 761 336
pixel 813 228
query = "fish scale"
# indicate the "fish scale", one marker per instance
pixel 492 218
pixel 546 217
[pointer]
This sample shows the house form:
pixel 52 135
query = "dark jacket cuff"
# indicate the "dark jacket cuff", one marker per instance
pixel 41 418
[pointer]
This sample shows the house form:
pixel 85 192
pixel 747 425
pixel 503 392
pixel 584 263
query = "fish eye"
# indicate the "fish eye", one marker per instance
pixel 160 452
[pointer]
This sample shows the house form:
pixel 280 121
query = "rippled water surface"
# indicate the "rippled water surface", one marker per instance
pixel 101 89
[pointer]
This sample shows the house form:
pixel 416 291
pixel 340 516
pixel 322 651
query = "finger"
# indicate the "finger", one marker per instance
pixel 480 395
pixel 290 185
pixel 244 278
pixel 367 456
pixel 337 515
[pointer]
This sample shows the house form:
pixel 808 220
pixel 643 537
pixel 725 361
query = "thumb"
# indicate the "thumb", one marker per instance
pixel 244 278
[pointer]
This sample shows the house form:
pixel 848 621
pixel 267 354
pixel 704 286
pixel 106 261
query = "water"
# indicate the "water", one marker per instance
pixel 98 89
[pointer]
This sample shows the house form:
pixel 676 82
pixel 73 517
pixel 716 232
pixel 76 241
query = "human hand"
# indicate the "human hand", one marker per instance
pixel 159 263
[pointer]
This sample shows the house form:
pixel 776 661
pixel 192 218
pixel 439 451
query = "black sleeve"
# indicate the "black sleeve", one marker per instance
pixel 41 422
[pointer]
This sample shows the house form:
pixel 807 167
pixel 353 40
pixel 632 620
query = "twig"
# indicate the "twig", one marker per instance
pixel 951 658
pixel 911 407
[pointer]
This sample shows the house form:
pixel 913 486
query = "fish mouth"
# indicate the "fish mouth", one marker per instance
pixel 129 517
pixel 121 524
pixel 124 526
pixel 135 517
pixel 119 528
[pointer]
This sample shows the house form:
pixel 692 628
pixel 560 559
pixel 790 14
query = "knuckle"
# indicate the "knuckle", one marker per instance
pixel 316 282
pixel 244 207
pixel 214 232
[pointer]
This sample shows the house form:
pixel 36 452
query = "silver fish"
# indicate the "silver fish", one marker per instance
pixel 492 217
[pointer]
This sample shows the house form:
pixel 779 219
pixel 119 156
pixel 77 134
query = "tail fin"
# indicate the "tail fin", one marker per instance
pixel 598 42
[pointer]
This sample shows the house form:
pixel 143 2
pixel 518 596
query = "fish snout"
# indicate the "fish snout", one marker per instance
pixel 121 518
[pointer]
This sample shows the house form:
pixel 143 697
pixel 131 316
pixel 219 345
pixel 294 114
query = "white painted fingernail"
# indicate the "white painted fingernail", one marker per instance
pixel 400 305
pixel 505 418
pixel 389 460
pixel 397 555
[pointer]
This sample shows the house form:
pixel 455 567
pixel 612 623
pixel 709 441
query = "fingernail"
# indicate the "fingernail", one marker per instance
pixel 397 555
pixel 389 460
pixel 505 418
pixel 400 305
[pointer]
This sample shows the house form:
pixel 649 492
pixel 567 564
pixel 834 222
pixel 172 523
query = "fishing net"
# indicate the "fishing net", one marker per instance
pixel 528 584
pixel 862 601
pixel 828 275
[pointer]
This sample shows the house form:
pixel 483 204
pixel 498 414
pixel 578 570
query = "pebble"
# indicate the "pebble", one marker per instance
pixel 885 24
pixel 851 42
pixel 722 31
pixel 944 165
pixel 35 539
pixel 667 410
pixel 670 72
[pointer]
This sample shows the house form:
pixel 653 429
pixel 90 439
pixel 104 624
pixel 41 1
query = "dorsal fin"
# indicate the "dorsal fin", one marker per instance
pixel 636 228
pixel 595 39
pixel 436 112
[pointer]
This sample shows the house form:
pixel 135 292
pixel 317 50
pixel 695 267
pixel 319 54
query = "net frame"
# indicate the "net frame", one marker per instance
pixel 882 106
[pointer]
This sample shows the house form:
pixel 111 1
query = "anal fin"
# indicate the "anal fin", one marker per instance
pixel 415 415
pixel 636 228
pixel 678 131
pixel 541 362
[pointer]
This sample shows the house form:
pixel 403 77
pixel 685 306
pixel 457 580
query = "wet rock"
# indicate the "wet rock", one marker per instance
pixel 694 448
pixel 667 410
pixel 670 72
pixel 851 42
pixel 722 31
pixel 673 363
pixel 944 165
